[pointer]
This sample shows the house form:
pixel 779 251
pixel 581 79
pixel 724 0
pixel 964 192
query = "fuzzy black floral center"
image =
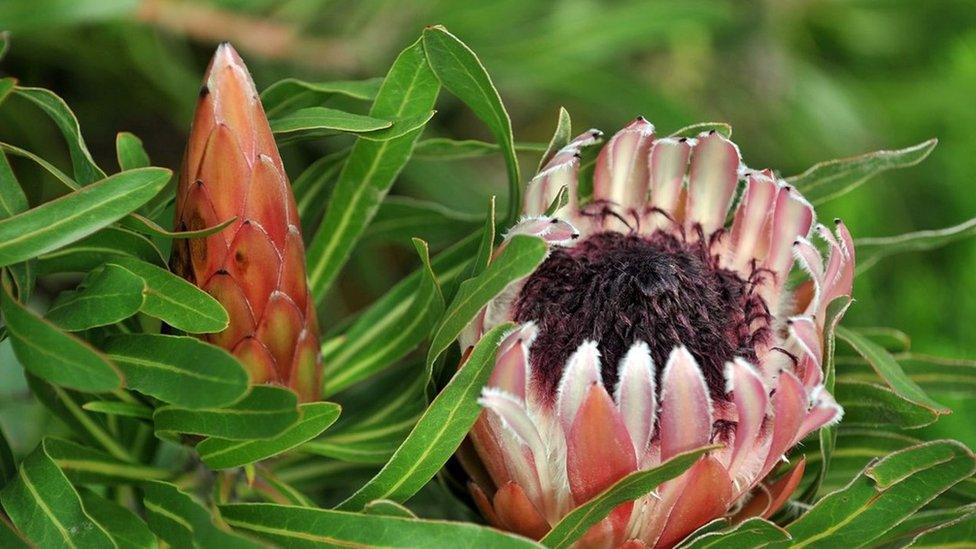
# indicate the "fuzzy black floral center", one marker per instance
pixel 618 289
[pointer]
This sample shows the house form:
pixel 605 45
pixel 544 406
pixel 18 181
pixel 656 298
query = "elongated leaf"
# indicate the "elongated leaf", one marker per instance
pixel 461 72
pixel 874 405
pixel 446 149
pixel 365 351
pixel 438 433
pixel 85 169
pixel 182 371
pixel 872 250
pixel 126 529
pixel 111 295
pixel 889 370
pixel 388 508
pixel 487 243
pixel 6 84
pixel 291 93
pixel 828 180
pixel 312 189
pixel 44 506
pixel 958 533
pixel 85 465
pixel 124 409
pixel 319 119
pixel 635 485
pixel 266 412
pixel 144 225
pixel 522 254
pixel 409 89
pixel 304 527
pixel 182 521
pixel 12 198
pixel 130 152
pixel 400 218
pixel 883 495
pixel 105 245
pixel 8 467
pixel 10 538
pixel 400 127
pixel 77 214
pixel 754 532
pixel 560 138
pixel 222 454
pixel 175 301
pixel 279 491
pixel 51 354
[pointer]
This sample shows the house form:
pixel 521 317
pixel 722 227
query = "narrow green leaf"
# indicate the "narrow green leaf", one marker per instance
pixel 315 418
pixel 291 93
pixel 754 532
pixel 558 202
pixel 6 84
pixel 889 370
pixel 400 218
pixel 635 485
pixel 85 169
pixel 83 465
pixel 891 339
pixel 923 522
pixel 560 138
pixel 10 538
pixel 51 354
pixel 109 295
pixel 521 255
pixel 312 188
pixel 410 89
pixel 873 405
pixel 694 130
pixel 387 508
pixel 123 409
pixel 400 127
pixel 297 527
pixel 130 152
pixel 958 533
pixel 182 521
pixel 324 119
pixel 280 490
pixel 828 180
pixel 12 198
pixel 44 506
pixel 182 371
pixel 438 433
pixel 364 351
pixel 175 301
pixel 126 529
pixel 265 413
pixel 461 72
pixel 487 243
pixel 8 467
pixel 883 495
pixel 77 214
pixel 444 149
pixel 105 245
pixel 144 225
pixel 872 250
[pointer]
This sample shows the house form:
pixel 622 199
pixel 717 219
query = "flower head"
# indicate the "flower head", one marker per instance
pixel 655 327
pixel 256 266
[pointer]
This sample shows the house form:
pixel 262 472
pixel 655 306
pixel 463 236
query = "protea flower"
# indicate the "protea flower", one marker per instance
pixel 653 328
pixel 256 266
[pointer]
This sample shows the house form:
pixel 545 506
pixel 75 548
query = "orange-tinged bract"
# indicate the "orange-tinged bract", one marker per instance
pixel 256 266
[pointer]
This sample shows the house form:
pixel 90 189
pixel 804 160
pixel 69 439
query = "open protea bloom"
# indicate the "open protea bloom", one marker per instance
pixel 652 328
pixel 256 266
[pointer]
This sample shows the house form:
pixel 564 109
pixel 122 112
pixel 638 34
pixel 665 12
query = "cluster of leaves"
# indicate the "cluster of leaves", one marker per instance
pixel 163 438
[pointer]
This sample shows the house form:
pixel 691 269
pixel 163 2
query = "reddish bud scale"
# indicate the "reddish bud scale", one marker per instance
pixel 256 266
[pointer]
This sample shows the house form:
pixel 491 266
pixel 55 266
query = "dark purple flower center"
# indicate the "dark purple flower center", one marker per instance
pixel 618 289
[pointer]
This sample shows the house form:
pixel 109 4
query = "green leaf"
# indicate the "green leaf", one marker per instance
pixel 6 84
pixel 182 371
pixel 109 295
pixel 518 259
pixel 291 526
pixel 10 538
pixel 635 485
pixel 8 467
pixel 400 127
pixel 884 494
pixel 445 149
pixel 366 350
pixel 312 188
pixel 410 89
pixel 266 412
pixel 487 243
pixel 182 521
pixel 324 121
pixel 51 354
pixel 126 529
pixel 889 370
pixel 85 169
pixel 175 301
pixel 144 225
pixel 872 250
pixel 754 532
pixel 828 180
pixel 123 409
pixel 77 214
pixel 105 245
pixel 130 152
pixel 560 138
pixel 83 465
pixel 921 523
pixel 12 198
pixel 693 130
pixel 461 72
pixel 873 405
pixel 958 533
pixel 438 433
pixel 315 418
pixel 48 14
pixel 387 508
pixel 291 93
pixel 44 506
pixel 400 218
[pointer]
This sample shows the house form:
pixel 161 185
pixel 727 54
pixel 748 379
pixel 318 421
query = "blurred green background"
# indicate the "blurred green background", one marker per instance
pixel 800 81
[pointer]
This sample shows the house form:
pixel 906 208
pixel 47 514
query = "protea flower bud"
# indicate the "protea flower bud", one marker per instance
pixel 657 331
pixel 256 266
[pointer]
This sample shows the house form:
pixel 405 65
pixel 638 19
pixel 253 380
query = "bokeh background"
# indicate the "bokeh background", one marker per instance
pixel 800 81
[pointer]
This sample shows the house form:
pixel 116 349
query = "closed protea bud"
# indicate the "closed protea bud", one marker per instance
pixel 653 330
pixel 256 266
